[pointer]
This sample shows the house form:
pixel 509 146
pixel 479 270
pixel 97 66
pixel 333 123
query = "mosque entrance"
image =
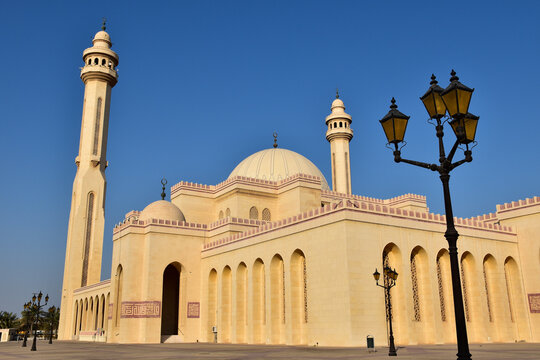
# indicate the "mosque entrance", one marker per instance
pixel 171 295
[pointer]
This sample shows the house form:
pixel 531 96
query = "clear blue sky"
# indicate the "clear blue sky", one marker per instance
pixel 203 84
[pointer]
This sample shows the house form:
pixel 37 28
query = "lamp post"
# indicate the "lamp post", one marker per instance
pixel 35 306
pixel 27 310
pixel 453 100
pixel 390 277
pixel 52 311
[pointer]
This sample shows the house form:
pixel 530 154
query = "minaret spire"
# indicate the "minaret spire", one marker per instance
pixel 87 216
pixel 339 134
pixel 103 26
pixel 275 139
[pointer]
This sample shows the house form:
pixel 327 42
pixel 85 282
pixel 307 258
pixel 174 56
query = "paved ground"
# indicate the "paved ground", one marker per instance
pixel 86 351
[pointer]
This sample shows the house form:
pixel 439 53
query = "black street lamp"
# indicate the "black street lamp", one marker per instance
pixel 52 311
pixel 453 100
pixel 390 277
pixel 35 309
pixel 27 311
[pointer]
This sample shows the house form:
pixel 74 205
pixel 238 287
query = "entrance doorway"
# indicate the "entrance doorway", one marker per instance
pixel 171 295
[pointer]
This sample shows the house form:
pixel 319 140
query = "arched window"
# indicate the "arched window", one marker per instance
pixel 118 300
pixel 486 287
pixel 97 126
pixel 266 215
pixel 340 124
pixel 465 291
pixel 212 304
pixel 228 212
pixel 241 317
pixel 414 277
pixel 88 237
pixel 96 60
pixel 103 62
pixel 89 61
pixel 253 213
pixel 220 216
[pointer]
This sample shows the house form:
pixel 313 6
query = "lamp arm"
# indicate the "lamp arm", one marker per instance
pixel 453 151
pixel 432 167
pixel 468 158
pixel 384 287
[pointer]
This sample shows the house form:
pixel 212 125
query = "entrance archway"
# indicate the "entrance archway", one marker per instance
pixel 170 299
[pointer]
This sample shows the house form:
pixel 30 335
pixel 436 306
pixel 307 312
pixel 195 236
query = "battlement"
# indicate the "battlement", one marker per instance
pixel 360 206
pixel 514 205
pixel 133 221
pixel 241 179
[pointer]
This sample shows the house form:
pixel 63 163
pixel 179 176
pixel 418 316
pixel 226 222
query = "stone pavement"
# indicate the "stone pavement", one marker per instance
pixel 60 350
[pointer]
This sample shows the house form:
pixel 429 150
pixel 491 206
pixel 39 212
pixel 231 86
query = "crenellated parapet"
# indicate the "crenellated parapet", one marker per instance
pixel 267 184
pixel 520 204
pixel 133 221
pixel 365 207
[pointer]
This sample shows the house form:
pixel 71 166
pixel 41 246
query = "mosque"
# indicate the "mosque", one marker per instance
pixel 275 254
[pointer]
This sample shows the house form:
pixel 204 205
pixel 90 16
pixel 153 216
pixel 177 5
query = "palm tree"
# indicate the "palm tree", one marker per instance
pixel 8 320
pixel 51 320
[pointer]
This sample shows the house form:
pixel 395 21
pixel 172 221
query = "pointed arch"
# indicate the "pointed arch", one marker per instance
pixel 96 312
pixel 517 307
pixel 423 320
pixel 266 216
pixel 170 299
pixel 259 302
pixel 392 257
pixel 228 213
pixel 299 297
pixel 241 302
pixel 103 310
pixel 88 237
pixel 471 297
pixel 76 317
pixel 118 295
pixel 277 299
pixel 253 213
pixel 446 301
pixel 492 289
pixel 226 305
pixel 212 304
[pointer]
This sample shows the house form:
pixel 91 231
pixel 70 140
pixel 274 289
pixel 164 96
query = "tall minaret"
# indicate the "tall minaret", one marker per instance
pixel 87 217
pixel 339 134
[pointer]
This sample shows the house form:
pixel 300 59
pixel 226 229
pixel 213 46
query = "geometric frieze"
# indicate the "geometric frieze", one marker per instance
pixel 140 309
pixel 534 303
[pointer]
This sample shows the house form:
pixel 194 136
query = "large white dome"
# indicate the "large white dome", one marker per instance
pixel 277 164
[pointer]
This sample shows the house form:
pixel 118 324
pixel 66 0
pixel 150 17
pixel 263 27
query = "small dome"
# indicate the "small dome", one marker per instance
pixel 338 111
pixel 337 103
pixel 277 164
pixel 162 209
pixel 102 38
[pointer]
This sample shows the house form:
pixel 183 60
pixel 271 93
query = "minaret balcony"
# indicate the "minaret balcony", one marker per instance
pixel 339 133
pixel 100 72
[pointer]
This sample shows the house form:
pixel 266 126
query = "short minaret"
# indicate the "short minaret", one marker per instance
pixel 87 218
pixel 339 134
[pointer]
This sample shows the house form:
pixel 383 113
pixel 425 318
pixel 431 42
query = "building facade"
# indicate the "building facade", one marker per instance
pixel 273 255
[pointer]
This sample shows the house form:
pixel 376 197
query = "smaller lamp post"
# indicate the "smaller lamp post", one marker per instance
pixel 390 277
pixel 27 310
pixel 36 306
pixel 52 311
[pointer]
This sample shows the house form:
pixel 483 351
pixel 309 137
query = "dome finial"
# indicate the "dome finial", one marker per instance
pixel 275 139
pixel 103 27
pixel 337 93
pixel 163 182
